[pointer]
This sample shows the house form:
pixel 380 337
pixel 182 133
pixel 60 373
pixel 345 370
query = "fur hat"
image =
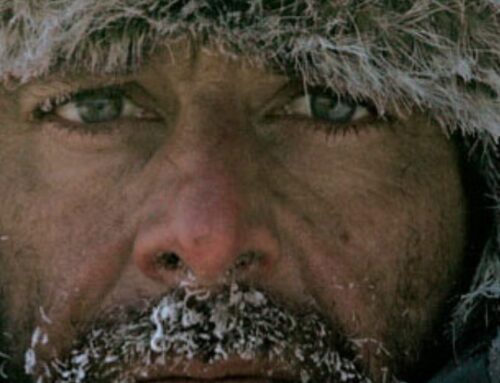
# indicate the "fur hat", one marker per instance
pixel 440 57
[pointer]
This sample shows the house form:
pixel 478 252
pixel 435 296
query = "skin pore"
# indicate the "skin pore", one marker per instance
pixel 363 221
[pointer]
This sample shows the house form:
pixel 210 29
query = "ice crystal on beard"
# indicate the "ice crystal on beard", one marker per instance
pixel 30 360
pixel 193 323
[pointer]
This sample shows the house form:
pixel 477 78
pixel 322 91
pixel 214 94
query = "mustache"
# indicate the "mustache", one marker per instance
pixel 192 323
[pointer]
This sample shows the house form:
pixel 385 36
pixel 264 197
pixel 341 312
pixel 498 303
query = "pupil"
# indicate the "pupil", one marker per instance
pixel 99 109
pixel 332 108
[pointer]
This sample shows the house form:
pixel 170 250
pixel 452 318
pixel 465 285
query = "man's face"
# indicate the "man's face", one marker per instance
pixel 208 172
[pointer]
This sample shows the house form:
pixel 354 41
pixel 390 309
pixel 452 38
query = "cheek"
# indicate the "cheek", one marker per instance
pixel 73 265
pixel 378 226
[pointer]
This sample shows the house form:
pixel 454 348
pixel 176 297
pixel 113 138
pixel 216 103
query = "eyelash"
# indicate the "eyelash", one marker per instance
pixel 48 105
pixel 91 107
pixel 328 111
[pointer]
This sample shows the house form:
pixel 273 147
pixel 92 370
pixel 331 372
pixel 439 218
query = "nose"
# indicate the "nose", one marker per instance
pixel 203 228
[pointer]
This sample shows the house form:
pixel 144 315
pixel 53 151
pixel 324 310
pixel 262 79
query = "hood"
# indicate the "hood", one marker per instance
pixel 438 57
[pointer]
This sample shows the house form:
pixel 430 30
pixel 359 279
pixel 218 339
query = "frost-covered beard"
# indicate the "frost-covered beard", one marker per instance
pixel 195 324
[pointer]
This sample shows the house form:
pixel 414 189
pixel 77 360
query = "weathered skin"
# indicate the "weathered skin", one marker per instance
pixel 367 224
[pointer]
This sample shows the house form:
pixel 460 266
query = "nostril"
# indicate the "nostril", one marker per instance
pixel 247 259
pixel 168 260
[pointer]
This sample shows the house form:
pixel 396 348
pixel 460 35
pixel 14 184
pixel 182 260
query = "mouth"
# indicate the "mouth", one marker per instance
pixel 233 370
pixel 235 379
pixel 236 335
pixel 231 379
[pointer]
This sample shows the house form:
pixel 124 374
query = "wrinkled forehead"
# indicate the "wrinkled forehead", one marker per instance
pixel 182 65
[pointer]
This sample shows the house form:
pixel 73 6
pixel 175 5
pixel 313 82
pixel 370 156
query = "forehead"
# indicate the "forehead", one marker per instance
pixel 184 61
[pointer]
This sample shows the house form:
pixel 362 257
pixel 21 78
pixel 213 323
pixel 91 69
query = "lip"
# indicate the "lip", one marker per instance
pixel 223 380
pixel 231 370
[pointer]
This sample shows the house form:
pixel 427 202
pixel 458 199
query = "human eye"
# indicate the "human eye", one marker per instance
pixel 93 106
pixel 328 107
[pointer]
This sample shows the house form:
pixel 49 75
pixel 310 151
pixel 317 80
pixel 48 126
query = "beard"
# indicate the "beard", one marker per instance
pixel 194 324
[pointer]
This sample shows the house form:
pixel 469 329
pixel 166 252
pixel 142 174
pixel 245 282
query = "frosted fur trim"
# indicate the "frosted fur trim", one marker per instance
pixel 439 56
pixel 482 302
